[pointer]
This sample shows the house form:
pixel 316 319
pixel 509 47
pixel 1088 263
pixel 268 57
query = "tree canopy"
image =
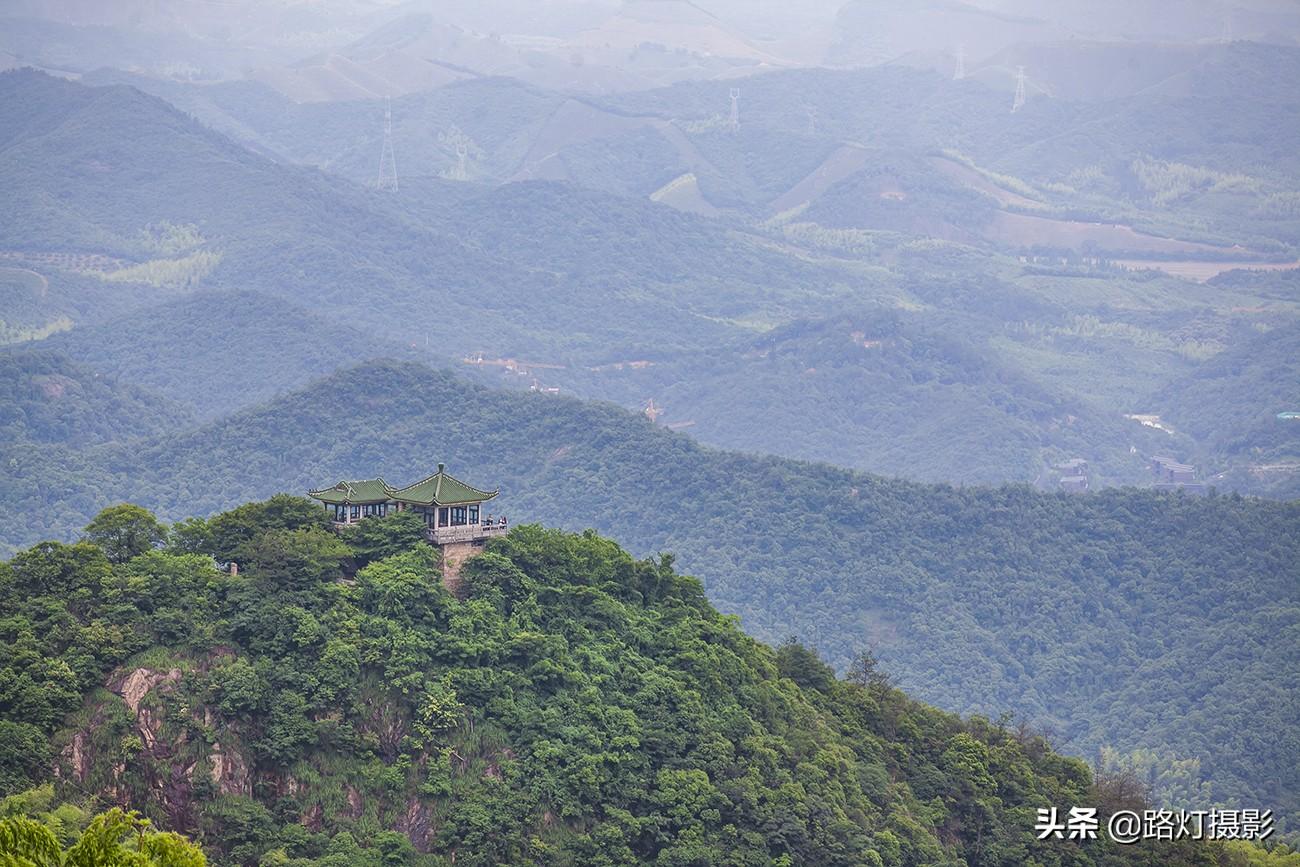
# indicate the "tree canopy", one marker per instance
pixel 333 704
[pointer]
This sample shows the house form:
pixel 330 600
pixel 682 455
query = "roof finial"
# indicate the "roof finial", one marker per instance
pixel 440 467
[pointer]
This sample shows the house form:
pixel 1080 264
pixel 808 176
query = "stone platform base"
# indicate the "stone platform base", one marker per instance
pixel 454 555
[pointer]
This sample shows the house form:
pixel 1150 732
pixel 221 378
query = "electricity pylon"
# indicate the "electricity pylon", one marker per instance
pixel 387 179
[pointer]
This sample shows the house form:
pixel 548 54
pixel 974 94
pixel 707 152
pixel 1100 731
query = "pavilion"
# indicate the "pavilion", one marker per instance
pixel 452 511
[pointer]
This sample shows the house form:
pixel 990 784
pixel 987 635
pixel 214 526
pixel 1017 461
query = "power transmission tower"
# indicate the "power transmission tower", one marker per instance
pixel 653 410
pixel 459 143
pixel 387 162
pixel 735 109
pixel 960 72
pixel 1019 101
pixel 812 120
pixel 1227 23
pixel 462 170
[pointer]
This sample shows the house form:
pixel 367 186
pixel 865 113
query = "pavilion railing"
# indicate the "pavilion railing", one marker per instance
pixel 487 529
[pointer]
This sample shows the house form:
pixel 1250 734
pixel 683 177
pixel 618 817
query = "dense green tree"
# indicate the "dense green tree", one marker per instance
pixel 25 754
pixel 574 706
pixel 112 839
pixel 383 537
pixel 125 531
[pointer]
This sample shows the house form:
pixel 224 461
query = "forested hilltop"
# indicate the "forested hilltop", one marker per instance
pixel 1111 619
pixel 330 703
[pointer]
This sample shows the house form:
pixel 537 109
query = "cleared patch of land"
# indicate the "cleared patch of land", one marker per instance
pixel 845 161
pixel 683 193
pixel 969 177
pixel 1027 230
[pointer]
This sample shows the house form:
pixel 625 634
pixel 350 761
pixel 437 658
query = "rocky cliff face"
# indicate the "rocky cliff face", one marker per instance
pixel 146 742
pixel 142 746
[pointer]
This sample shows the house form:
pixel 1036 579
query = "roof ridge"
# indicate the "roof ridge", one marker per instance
pixel 465 485
pixel 350 490
pixel 421 482
pixel 441 488
pixel 458 491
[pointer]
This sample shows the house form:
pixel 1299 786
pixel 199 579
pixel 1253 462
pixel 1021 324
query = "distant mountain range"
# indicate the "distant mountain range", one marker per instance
pixel 909 279
pixel 998 369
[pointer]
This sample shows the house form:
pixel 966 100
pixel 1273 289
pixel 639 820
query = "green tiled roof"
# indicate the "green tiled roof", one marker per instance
pixel 354 493
pixel 441 489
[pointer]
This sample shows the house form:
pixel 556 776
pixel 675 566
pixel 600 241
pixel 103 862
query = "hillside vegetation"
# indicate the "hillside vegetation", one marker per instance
pixel 207 299
pixel 45 399
pixel 1062 610
pixel 220 351
pixel 332 704
pixel 329 245
pixel 1002 368
pixel 884 391
pixel 1232 403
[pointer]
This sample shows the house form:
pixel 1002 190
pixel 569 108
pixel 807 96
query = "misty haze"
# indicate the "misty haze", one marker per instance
pixel 410 411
